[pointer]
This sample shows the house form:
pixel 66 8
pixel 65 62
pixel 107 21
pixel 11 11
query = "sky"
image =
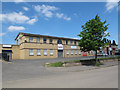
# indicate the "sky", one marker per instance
pixel 61 19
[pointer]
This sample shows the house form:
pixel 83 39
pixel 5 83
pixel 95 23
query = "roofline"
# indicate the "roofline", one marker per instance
pixel 29 34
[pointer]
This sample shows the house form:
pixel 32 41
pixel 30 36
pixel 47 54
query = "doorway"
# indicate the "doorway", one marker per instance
pixel 9 54
pixel 60 53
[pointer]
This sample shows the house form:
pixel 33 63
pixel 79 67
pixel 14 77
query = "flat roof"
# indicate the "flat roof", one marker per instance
pixel 38 35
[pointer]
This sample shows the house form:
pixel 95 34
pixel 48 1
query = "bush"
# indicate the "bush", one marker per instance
pixel 57 64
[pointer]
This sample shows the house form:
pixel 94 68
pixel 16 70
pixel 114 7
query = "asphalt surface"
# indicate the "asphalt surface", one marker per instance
pixel 27 69
pixel 98 78
pixel 23 69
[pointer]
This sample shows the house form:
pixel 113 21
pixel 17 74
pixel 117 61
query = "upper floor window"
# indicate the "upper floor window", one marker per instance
pixel 75 43
pixel 59 42
pixel 44 40
pixel 30 39
pixel 50 40
pixel 71 42
pixel 38 39
pixel 66 42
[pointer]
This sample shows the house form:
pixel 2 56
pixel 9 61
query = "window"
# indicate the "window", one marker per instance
pixel 67 52
pixel 38 40
pixel 45 51
pixel 79 52
pixel 75 43
pixel 66 42
pixel 71 42
pixel 44 40
pixel 50 41
pixel 30 39
pixel 75 52
pixel 71 52
pixel 38 52
pixel 51 52
pixel 31 52
pixel 59 42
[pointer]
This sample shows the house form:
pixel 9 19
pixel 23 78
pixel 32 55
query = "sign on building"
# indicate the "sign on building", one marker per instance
pixel 7 46
pixel 60 47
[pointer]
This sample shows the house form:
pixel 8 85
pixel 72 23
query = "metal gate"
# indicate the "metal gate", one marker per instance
pixel 60 53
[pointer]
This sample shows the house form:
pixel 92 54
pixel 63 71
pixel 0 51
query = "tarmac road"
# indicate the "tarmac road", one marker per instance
pixel 97 78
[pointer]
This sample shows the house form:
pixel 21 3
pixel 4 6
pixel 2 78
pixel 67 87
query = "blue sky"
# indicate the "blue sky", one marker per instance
pixel 62 19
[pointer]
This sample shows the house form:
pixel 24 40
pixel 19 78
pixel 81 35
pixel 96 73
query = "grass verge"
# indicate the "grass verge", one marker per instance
pixel 60 64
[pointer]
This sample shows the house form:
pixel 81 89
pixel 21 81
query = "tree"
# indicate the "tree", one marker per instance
pixel 114 43
pixel 93 35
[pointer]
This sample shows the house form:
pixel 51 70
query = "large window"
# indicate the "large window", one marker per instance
pixel 44 40
pixel 38 39
pixel 79 52
pixel 75 43
pixel 71 52
pixel 30 39
pixel 50 40
pixel 66 42
pixel 51 52
pixel 71 42
pixel 38 52
pixel 75 52
pixel 45 51
pixel 67 52
pixel 31 52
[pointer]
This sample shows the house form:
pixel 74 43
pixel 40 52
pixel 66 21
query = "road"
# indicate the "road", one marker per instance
pixel 97 78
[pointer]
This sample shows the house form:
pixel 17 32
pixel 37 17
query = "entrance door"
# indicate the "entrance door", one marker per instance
pixel 9 53
pixel 60 53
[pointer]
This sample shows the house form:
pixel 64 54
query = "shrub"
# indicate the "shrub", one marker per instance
pixel 97 64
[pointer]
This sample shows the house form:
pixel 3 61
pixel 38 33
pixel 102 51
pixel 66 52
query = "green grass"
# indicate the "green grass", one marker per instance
pixel 60 64
pixel 109 58
pixel 57 64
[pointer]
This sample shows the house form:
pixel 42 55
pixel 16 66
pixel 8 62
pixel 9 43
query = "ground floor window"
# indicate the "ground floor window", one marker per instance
pixel 79 52
pixel 31 52
pixel 51 52
pixel 67 52
pixel 38 52
pixel 75 52
pixel 45 51
pixel 71 52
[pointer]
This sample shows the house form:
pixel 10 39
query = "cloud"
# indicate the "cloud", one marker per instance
pixel 16 28
pixel 17 18
pixel 2 34
pixel 25 8
pixel 18 1
pixel 111 4
pixel 61 15
pixel 32 21
pixel 46 10
pixel 14 17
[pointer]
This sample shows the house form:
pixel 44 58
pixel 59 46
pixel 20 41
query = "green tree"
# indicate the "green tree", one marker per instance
pixel 93 35
pixel 114 43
